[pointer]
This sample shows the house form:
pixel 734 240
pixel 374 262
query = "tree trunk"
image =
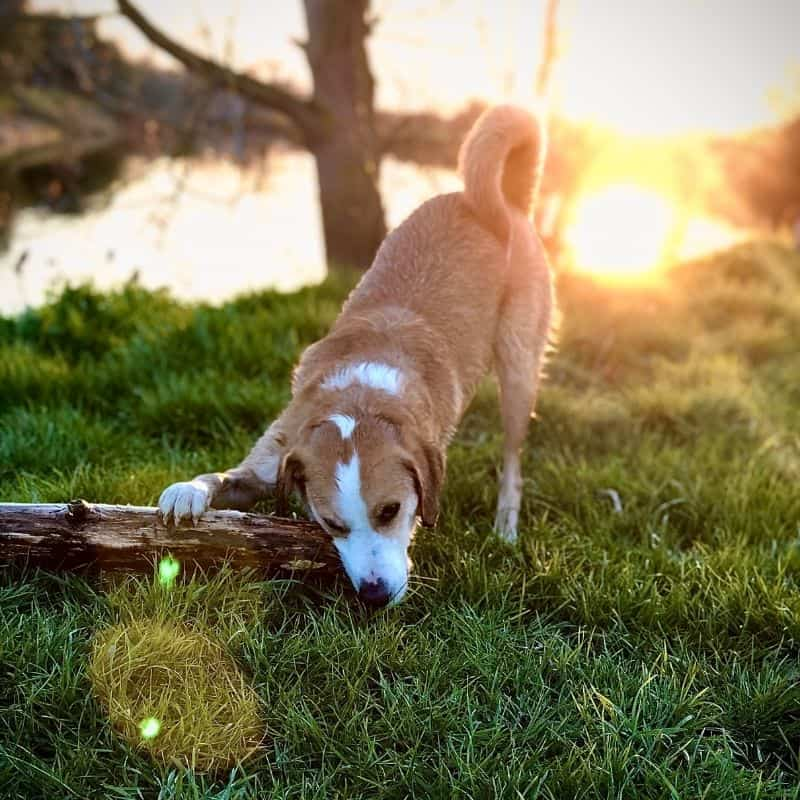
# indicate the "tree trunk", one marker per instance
pixel 337 125
pixel 347 153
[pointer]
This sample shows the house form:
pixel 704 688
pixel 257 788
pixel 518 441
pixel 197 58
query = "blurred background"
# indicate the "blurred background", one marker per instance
pixel 213 148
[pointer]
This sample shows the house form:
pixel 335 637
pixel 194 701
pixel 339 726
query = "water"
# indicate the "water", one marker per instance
pixel 204 229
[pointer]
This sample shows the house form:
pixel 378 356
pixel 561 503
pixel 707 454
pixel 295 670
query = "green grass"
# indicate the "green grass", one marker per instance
pixel 643 654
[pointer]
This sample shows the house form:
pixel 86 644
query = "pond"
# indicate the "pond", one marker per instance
pixel 205 229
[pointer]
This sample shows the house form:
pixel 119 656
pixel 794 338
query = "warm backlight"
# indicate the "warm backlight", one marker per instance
pixel 620 232
pixel 627 233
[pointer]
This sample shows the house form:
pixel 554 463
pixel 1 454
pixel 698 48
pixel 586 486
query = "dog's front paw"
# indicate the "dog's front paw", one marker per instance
pixel 184 500
pixel 505 523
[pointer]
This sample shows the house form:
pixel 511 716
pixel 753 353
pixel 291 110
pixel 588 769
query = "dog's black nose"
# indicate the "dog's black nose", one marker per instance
pixel 374 593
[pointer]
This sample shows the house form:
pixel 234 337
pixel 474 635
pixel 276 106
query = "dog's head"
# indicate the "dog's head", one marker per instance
pixel 366 480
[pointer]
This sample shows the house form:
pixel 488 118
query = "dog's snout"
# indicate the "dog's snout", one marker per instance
pixel 374 593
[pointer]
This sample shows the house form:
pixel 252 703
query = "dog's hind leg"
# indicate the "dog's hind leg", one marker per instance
pixel 240 488
pixel 518 351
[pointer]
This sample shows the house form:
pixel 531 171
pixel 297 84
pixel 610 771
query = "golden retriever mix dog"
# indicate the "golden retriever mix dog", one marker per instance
pixel 461 286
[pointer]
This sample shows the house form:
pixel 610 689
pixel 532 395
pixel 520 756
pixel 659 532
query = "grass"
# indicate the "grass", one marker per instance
pixel 644 653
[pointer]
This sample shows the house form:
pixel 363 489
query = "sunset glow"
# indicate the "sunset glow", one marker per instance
pixel 620 232
pixel 627 233
pixel 702 235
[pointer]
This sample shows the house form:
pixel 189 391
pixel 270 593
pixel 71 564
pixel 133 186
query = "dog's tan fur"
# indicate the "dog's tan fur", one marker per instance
pixel 462 285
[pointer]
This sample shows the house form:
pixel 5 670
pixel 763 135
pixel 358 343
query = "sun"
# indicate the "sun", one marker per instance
pixel 620 233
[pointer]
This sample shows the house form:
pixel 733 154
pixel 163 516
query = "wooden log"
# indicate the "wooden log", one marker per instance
pixel 81 536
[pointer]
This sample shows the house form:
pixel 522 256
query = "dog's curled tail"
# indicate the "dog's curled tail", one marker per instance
pixel 501 162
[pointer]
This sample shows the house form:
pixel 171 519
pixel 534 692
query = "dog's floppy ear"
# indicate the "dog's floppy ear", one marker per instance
pixel 426 465
pixel 291 477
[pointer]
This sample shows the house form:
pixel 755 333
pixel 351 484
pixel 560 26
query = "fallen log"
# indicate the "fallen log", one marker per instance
pixel 81 536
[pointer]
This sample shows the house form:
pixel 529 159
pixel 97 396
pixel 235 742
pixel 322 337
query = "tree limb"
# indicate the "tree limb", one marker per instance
pixel 93 536
pixel 549 49
pixel 305 114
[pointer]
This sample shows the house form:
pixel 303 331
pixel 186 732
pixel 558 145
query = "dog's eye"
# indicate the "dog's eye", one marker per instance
pixel 335 526
pixel 387 513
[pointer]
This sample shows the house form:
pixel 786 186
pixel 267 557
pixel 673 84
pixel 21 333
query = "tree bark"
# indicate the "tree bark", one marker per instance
pixel 80 536
pixel 348 154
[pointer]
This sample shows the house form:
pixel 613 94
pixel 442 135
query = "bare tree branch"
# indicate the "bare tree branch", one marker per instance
pixel 549 49
pixel 306 114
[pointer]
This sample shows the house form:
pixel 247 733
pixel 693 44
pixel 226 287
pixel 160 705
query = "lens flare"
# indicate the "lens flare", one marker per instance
pixel 168 569
pixel 149 728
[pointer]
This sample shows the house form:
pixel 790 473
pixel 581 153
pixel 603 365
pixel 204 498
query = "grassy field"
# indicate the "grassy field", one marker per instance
pixel 644 653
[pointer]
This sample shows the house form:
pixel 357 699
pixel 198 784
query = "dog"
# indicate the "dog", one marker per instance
pixel 461 286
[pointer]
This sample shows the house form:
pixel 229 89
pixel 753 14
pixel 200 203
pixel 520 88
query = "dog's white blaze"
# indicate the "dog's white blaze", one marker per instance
pixel 365 553
pixel 345 424
pixel 367 373
pixel 351 505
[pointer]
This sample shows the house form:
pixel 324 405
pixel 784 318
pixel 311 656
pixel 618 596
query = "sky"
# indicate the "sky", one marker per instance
pixel 641 66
